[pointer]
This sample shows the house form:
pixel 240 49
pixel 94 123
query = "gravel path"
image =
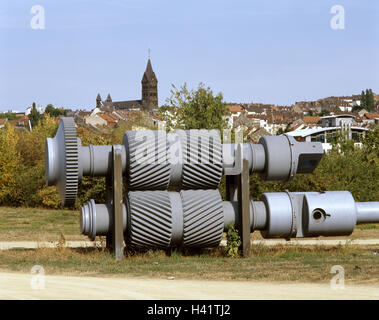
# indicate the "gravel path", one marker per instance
pixel 20 286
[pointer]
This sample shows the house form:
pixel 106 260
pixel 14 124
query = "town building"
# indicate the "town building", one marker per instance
pixel 328 129
pixel 149 97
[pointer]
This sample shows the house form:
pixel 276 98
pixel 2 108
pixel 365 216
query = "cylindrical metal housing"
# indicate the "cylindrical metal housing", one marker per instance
pixel 279 215
pixel 331 213
pixel 96 219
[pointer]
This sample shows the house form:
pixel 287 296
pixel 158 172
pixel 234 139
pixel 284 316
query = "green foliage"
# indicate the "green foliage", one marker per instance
pixel 54 112
pixel 49 197
pixel 367 100
pixel 9 115
pixel 371 147
pixel 233 241
pixel 282 131
pixel 35 117
pixel 190 109
pixel 9 161
pixel 324 113
pixel 29 174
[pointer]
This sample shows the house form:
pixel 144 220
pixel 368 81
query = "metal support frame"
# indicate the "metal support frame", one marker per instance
pixel 244 209
pixel 115 239
pixel 238 189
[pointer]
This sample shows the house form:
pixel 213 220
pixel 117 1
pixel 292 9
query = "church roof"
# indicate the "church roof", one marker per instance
pixel 127 104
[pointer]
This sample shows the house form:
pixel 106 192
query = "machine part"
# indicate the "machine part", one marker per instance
pixel 203 218
pixel 276 157
pixel 329 213
pixel 258 215
pixel 149 219
pixel 285 157
pixel 95 161
pixel 201 158
pixel 155 160
pixel 148 166
pixel 253 153
pixel 162 219
pixel 190 159
pixel 62 161
pixel 367 212
pixel 96 219
pixel 305 214
pixel 197 218
pixel 279 215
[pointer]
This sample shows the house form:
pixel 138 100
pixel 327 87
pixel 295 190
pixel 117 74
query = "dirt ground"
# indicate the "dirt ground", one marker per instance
pixel 24 286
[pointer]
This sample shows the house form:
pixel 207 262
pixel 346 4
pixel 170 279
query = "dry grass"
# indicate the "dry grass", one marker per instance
pixel 278 263
pixel 35 224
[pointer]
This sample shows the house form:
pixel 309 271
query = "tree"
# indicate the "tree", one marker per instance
pixel 54 112
pixel 35 117
pixel 363 100
pixel 370 100
pixel 199 109
pixel 324 113
pixel 367 100
pixel 9 161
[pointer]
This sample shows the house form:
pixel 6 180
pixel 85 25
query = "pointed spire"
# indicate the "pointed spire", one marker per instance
pixel 109 99
pixel 149 73
pixel 98 98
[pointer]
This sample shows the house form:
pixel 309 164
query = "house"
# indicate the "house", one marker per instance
pixel 40 109
pixel 254 135
pixel 345 108
pixel 110 121
pixel 362 112
pixel 3 122
pixel 22 122
pixel 330 126
pixel 95 120
pixel 370 118
pixel 337 120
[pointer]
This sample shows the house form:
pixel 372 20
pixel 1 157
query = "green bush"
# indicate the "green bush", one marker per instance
pixel 233 241
pixel 49 197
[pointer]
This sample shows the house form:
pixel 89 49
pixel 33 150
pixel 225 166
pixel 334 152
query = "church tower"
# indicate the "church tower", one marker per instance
pixel 149 88
pixel 98 101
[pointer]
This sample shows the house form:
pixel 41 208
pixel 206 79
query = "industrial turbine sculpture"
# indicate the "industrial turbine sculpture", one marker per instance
pixel 193 162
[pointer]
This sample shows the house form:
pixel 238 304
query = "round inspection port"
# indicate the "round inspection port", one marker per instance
pixel 318 215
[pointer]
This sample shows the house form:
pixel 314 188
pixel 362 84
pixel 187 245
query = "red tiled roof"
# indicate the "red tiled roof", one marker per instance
pixel 235 108
pixel 371 115
pixel 107 118
pixel 311 119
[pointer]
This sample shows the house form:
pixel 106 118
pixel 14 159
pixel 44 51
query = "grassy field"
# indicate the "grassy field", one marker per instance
pixel 34 224
pixel 278 263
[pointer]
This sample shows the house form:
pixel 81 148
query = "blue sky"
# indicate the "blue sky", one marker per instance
pixel 269 51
